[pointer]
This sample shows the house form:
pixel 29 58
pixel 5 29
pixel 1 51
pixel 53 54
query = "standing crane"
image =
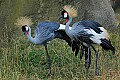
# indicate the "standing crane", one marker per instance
pixel 86 32
pixel 44 32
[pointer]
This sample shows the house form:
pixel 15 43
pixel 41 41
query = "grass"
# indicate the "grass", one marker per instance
pixel 26 61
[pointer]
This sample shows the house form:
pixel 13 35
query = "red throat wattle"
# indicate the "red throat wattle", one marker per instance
pixel 27 32
pixel 66 20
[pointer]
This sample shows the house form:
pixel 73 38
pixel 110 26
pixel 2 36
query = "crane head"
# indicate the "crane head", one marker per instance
pixel 25 29
pixel 69 10
pixel 64 15
pixel 24 22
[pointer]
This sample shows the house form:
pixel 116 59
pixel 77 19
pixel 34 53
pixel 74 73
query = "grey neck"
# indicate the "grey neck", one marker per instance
pixel 67 30
pixel 30 38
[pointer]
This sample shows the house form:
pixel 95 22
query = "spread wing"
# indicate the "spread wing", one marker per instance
pixel 90 24
pixel 61 34
pixel 89 31
pixel 80 33
pixel 46 28
pixel 44 31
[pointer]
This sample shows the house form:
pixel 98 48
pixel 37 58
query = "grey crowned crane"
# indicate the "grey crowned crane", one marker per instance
pixel 44 32
pixel 86 32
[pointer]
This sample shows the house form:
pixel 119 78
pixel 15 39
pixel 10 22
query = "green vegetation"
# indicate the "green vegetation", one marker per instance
pixel 26 61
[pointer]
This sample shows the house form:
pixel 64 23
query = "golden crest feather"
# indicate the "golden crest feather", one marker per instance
pixel 23 21
pixel 71 10
pixel 107 35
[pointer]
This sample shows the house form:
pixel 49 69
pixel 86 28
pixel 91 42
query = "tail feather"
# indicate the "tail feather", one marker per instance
pixel 86 57
pixel 76 51
pixel 75 47
pixel 82 51
pixel 106 45
pixel 62 35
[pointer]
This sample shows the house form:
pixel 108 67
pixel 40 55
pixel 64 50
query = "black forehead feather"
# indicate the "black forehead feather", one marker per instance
pixel 23 28
pixel 62 13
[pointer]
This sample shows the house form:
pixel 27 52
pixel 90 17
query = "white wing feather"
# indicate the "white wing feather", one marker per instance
pixel 62 26
pixel 96 38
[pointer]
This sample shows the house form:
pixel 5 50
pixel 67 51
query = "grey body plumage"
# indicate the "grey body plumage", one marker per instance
pixel 44 31
pixel 47 31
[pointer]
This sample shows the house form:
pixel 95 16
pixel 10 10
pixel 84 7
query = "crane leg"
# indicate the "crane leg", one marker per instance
pixel 48 58
pixel 87 61
pixel 96 68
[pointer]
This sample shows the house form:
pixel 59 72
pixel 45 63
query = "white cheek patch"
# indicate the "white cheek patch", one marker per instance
pixel 26 28
pixel 65 15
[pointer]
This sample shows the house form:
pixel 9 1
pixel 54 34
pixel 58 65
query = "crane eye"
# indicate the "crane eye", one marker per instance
pixel 65 15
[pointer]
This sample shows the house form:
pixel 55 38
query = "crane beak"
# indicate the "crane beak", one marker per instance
pixel 24 33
